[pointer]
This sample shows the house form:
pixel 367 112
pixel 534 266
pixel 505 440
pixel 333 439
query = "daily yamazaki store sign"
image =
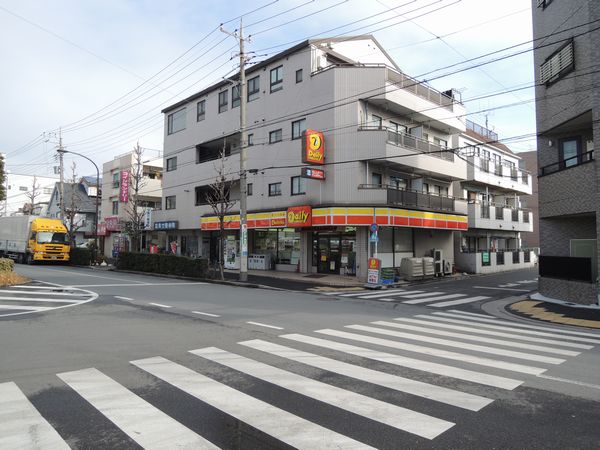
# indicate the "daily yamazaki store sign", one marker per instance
pixel 313 147
pixel 299 216
pixel 293 217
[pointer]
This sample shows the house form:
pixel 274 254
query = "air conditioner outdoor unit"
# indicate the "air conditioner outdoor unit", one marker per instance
pixel 438 261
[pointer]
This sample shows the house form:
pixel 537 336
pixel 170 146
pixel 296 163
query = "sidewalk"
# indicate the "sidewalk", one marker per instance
pixel 304 279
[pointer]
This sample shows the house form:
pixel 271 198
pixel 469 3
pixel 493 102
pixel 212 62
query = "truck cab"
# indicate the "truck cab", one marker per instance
pixel 47 241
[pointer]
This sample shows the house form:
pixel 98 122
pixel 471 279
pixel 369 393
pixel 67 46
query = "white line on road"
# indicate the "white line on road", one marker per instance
pixel 206 314
pixel 460 301
pixel 62 294
pixel 501 288
pixel 431 299
pixel 425 294
pixel 77 273
pixel 280 424
pixel 161 305
pixel 264 325
pixel 486 316
pixel 564 380
pixel 142 422
pixel 34 299
pixel 395 416
pixel 25 308
pixel 123 298
pixel 36 287
pixel 21 425
pixel 181 283
pixel 393 293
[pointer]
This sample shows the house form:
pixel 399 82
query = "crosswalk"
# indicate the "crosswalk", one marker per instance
pixel 39 297
pixel 356 369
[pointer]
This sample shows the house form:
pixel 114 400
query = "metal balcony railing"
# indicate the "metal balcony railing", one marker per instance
pixel 412 198
pixel 567 163
pixel 516 257
pixel 499 258
pixel 515 215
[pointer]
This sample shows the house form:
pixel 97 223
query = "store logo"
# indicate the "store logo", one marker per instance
pixel 313 147
pixel 299 216
pixel 314 174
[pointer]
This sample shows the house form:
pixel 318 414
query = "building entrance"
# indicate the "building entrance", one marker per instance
pixel 334 253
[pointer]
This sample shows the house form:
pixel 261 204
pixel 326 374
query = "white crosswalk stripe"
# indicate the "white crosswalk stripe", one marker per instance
pixel 421 295
pixel 21 425
pixel 142 422
pixel 418 388
pixel 392 293
pixel 460 301
pixel 487 316
pixel 431 299
pixel 404 419
pixel 276 422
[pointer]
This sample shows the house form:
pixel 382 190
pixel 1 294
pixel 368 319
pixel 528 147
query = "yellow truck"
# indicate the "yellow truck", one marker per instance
pixel 28 239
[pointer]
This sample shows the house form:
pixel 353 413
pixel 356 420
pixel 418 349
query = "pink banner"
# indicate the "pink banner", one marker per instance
pixel 124 192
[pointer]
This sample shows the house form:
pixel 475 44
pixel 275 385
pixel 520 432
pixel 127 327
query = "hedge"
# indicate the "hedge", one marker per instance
pixel 6 265
pixel 80 256
pixel 163 264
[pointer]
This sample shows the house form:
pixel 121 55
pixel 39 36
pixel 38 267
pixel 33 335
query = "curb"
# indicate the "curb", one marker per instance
pixel 551 313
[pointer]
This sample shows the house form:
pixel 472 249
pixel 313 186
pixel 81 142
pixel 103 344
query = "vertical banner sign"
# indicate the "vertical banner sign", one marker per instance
pixel 124 192
pixel 244 239
pixel 313 147
pixel 374 271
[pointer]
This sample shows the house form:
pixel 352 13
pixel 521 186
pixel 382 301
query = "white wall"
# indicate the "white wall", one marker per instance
pixel 19 186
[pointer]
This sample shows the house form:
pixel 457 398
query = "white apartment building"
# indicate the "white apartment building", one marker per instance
pixel 18 193
pixel 493 186
pixel 117 192
pixel 384 136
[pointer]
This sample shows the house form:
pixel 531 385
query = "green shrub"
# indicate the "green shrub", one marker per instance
pixel 80 256
pixel 6 265
pixel 163 264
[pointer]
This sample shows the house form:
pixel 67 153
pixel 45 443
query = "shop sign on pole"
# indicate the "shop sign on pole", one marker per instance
pixel 374 272
pixel 244 239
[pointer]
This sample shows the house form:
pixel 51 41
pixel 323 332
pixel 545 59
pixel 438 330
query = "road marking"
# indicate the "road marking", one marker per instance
pixel 138 284
pixel 521 325
pixel 62 294
pixel 138 419
pixel 395 416
pixel 460 301
pixel 24 308
pixel 35 287
pixel 507 328
pixel 501 288
pixel 160 305
pixel 486 316
pixel 124 298
pixel 508 285
pixel 411 363
pixel 21 425
pixel 34 299
pixel 348 294
pixel 494 333
pixel 425 294
pixel 459 345
pixel 280 424
pixel 418 388
pixel 436 352
pixel 206 314
pixel 394 293
pixel 564 380
pixel 471 337
pixel 431 299
pixel 75 272
pixel 265 325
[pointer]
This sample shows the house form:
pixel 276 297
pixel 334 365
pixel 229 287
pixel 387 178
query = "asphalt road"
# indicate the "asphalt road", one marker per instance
pixel 280 369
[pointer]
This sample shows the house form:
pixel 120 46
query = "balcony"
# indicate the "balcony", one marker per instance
pixel 487 172
pixel 391 196
pixel 567 163
pixel 499 217
pixel 494 261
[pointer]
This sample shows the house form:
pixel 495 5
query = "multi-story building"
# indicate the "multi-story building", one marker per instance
pixel 20 189
pixel 568 123
pixel 531 240
pixel 493 186
pixel 117 199
pixel 385 138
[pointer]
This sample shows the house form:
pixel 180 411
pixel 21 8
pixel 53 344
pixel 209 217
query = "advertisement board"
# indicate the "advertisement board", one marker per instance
pixel 124 188
pixel 299 216
pixel 313 174
pixel 374 271
pixel 313 147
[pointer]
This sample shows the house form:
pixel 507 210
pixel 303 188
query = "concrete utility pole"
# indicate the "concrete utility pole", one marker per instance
pixel 243 149
pixel 61 151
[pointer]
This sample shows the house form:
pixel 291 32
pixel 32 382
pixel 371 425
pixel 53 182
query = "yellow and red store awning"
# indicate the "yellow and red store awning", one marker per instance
pixel 343 216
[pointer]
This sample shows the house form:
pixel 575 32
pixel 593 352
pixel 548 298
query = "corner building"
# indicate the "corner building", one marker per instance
pixel 385 137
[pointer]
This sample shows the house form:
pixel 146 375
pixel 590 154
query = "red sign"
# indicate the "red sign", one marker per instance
pixel 374 263
pixel 279 222
pixel 299 216
pixel 313 147
pixel 124 192
pixel 102 229
pixel 112 224
pixel 315 174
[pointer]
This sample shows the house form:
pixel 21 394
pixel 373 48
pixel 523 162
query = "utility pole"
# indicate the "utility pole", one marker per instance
pixel 62 179
pixel 243 148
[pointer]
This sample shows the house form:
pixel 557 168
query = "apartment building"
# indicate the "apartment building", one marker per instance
pixel 383 137
pixel 493 187
pixel 568 124
pixel 19 190
pixel 118 193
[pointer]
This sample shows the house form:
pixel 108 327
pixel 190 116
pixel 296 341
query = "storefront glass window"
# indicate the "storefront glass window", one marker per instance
pixel 403 239
pixel 289 247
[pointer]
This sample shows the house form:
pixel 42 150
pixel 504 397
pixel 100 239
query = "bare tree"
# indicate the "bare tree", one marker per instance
pixel 135 209
pixel 218 197
pixel 73 205
pixel 31 195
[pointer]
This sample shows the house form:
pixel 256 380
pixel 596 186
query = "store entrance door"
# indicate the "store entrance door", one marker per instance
pixel 329 254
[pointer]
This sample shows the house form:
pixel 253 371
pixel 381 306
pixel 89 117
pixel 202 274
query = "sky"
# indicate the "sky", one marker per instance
pixel 101 70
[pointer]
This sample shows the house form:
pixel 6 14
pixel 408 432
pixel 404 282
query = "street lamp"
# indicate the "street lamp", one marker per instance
pixel 62 151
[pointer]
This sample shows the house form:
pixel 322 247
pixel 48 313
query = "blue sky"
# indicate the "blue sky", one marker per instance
pixel 68 59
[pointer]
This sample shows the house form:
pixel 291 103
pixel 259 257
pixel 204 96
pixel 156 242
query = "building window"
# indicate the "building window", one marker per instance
pixel 397 128
pixel 299 76
pixel 277 79
pixel 275 136
pixel 23 188
pixel 250 140
pixel 298 127
pixel 253 88
pixel 568 151
pixel 440 142
pixel 376 179
pixel 176 121
pixel 558 64
pixel 249 189
pixel 203 193
pixel 115 208
pixel 274 189
pixel 116 180
pixel 200 110
pixel 170 202
pixel 398 183
pixel 223 101
pixel 298 186
pixel 171 163
pixel 235 96
pixel 425 188
pixel 376 121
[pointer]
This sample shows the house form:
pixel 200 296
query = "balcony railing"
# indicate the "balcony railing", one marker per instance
pixel 515 215
pixel 499 212
pixel 566 268
pixel 567 163
pixel 481 130
pixel 500 258
pixel 516 257
pixel 412 198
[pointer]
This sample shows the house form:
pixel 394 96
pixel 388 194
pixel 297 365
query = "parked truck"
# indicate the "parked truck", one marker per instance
pixel 27 239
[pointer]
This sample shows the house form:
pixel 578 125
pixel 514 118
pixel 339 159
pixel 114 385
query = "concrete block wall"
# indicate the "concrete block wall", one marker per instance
pixel 556 233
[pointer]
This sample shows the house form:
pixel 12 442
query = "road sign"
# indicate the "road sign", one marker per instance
pixel 374 228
